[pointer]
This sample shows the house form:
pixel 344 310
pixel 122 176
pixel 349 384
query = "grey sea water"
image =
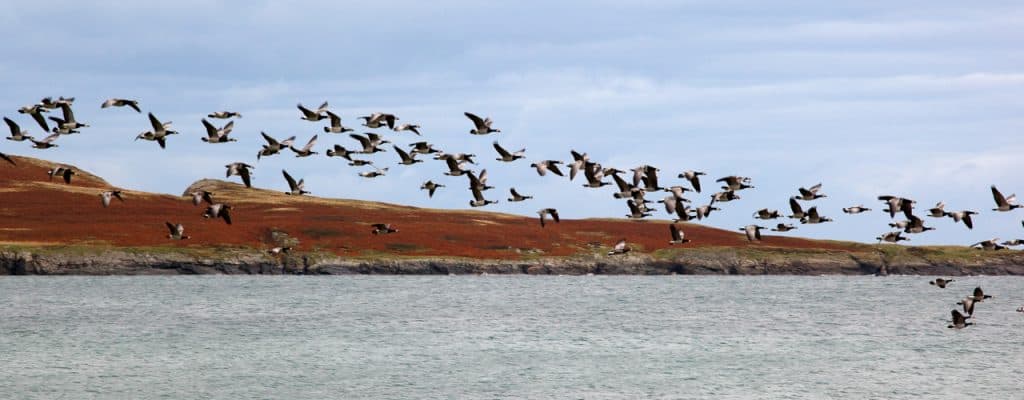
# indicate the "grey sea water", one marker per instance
pixel 230 337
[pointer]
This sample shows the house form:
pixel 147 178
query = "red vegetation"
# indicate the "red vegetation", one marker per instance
pixel 38 211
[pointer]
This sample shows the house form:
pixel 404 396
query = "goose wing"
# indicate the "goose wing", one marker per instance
pixel 246 177
pixel 271 141
pixel 554 169
pixel 16 130
pixel 1000 200
pixel 453 165
pixel 211 131
pixel 677 235
pixel 477 121
pixel 335 119
pixel 8 159
pixel 306 112
pixel 174 229
pixel 291 181
pixel 795 207
pixel 157 125
pixel 309 145
pixel 501 151
pixel 69 116
pixel 402 154
pixel 363 140
pixel 477 194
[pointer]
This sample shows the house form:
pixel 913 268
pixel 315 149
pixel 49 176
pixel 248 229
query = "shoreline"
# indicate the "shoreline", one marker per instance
pixel 81 260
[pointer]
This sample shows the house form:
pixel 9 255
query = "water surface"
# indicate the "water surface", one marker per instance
pixel 191 337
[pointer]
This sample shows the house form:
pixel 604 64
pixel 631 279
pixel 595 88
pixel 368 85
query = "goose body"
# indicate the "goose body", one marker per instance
pixel 36 112
pixel 294 188
pixel 811 193
pixel 693 177
pixel 17 134
pixel 242 170
pixel 115 102
pixel 543 213
pixel 336 126
pixel 224 115
pixel 430 187
pixel 481 126
pixel 218 135
pixel 107 195
pixel 856 209
pixel 783 228
pixel 620 248
pixel 753 232
pixel 548 165
pixel 383 229
pixel 312 115
pixel 1008 203
pixel 306 150
pixel 506 156
pixel 678 237
pixel 222 211
pixel 516 197
pixel 273 146
pixel 941 282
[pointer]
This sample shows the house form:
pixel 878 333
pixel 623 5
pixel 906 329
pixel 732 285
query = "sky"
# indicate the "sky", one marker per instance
pixel 917 99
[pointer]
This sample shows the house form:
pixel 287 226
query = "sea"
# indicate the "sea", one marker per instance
pixel 507 337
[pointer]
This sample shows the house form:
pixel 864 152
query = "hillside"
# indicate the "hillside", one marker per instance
pixel 49 217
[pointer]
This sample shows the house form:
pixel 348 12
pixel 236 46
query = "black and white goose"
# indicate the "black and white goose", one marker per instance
pixel 17 134
pixel 897 204
pixel 177 231
pixel 383 229
pixel 454 167
pixel 481 126
pixel 46 143
pixel 892 237
pixel 159 133
pixel 733 183
pixel 218 135
pixel 408 127
pixel 294 188
pixel 478 199
pixel 311 115
pixel 370 142
pixel 116 102
pixel 340 151
pixel 242 170
pixel 379 119
pixel 406 158
pixel 516 197
pixel 964 216
pixel 705 210
pixel 107 195
pixel 430 187
pixel 941 282
pixel 423 148
pixel 811 193
pixel 375 173
pixel 543 213
pixel 224 115
pixel 336 126
pixel 306 150
pixel 547 165
pixel 991 244
pixel 1004 203
pixel 506 156
pixel 273 146
pixel 61 171
pixel 68 124
pixel 767 214
pixel 594 174
pixel 678 237
pixel 635 212
pixel 219 210
pixel 783 228
pixel 620 248
pixel 959 321
pixel 693 177
pixel 753 232
pixel 200 196
pixel 36 112
pixel 856 209
pixel 938 211
pixel 478 183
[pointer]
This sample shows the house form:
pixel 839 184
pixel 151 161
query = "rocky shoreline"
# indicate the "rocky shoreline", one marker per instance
pixel 698 261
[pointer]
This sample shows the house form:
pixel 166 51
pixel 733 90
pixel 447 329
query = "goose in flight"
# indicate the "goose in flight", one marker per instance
pixel 340 151
pixel 430 187
pixel 678 191
pixel 359 163
pixel 594 175
pixel 693 177
pixel 968 304
pixel 199 196
pixel 454 167
pixel 481 126
pixel 783 228
pixel 959 321
pixel 649 177
pixel 506 156
pixel 273 146
pixel 620 248
pixel 991 244
pixel 336 126
pixel 625 189
pixel 115 102
pixel 892 237
pixel 1004 203
pixel 46 143
pixel 856 209
pixel 68 124
pixel 478 199
pixel 460 157
pixel 8 158
pixel 478 183
pixel 64 172
pixel 379 119
pixel 734 182
pixel 705 210
pixel 241 169
pixel 406 158
pixel 1013 243
pixel 375 173
pixel 808 194
pixel 311 115
pixel 36 112
pixel 634 210
pixel 979 295
pixel 916 225
pixel 898 204
pixel 938 211
pixel 159 133
pixel 725 196
pixel 940 282
pixel 49 102
pixel 17 134
pixel 306 150
pixel 671 204
pixel 177 231
pixel 277 251
pixel 548 165
pixel 766 214
pixel 224 115
pixel 753 232
pixel 678 237
pixel 383 229
pixel 370 142
pixel 964 216
pixel 578 161
pixel 222 211
pixel 408 127
pixel 215 135
pixel 683 213
pixel 516 197
pixel 544 212
pixel 294 188
pixel 423 148
pixel 107 195
pixel 812 217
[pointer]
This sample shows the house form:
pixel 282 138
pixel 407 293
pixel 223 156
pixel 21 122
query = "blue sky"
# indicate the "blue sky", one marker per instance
pixel 920 99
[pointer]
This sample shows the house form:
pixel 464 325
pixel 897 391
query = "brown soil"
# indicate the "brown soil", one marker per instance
pixel 37 211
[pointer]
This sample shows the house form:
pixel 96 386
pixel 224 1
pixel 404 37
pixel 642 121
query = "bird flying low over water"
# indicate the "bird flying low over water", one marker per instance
pixel 115 102
pixel 959 321
pixel 940 282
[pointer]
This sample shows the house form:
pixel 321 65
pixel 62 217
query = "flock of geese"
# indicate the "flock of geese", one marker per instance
pixel 959 319
pixel 633 185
